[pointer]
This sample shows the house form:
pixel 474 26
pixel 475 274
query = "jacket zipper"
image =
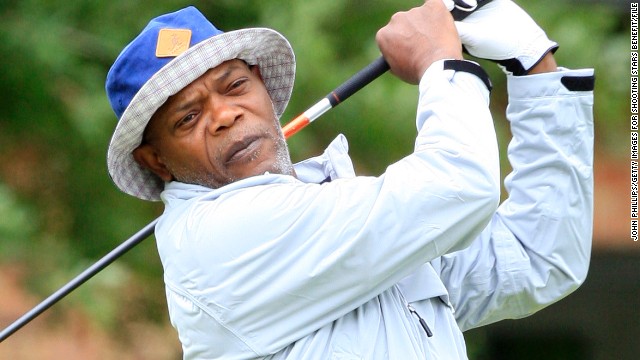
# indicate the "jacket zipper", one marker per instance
pixel 420 319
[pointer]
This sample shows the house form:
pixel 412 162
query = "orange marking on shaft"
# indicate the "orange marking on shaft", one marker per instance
pixel 295 125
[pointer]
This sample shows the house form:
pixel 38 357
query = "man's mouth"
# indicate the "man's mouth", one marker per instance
pixel 242 149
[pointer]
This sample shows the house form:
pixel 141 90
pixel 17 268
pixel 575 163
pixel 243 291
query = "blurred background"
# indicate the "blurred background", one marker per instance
pixel 59 211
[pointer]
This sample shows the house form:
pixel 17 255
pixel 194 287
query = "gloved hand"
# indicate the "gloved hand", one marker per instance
pixel 501 31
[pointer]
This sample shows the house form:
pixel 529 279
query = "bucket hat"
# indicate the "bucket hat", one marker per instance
pixel 172 51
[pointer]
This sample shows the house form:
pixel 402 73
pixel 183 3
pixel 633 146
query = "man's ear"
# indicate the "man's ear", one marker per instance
pixel 147 157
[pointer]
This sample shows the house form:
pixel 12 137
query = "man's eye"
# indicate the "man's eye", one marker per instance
pixel 185 120
pixel 237 84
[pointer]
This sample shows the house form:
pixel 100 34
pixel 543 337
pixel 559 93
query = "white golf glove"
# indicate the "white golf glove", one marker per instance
pixel 501 31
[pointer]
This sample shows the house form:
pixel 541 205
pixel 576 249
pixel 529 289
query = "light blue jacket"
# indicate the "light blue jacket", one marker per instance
pixel 277 267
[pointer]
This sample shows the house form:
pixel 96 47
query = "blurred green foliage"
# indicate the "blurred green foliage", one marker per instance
pixel 59 212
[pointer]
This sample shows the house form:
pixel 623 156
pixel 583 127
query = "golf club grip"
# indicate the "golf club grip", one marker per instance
pixel 361 79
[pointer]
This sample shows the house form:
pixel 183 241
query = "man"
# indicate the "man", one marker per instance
pixel 264 259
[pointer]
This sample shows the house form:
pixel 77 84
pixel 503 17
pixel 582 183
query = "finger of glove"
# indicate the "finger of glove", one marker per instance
pixel 505 14
pixel 467 33
pixel 485 42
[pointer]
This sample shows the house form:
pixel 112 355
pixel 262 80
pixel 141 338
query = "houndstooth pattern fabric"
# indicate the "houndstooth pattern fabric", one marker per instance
pixel 264 47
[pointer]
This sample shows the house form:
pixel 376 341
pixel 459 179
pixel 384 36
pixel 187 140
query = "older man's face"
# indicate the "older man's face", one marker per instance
pixel 219 129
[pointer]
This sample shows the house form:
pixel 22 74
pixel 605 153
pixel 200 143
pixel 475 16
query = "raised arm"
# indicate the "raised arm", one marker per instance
pixel 536 249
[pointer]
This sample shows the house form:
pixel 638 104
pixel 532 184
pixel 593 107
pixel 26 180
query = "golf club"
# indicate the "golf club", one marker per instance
pixel 341 93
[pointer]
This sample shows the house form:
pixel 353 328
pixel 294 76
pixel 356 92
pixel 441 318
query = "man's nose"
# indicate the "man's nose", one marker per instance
pixel 223 115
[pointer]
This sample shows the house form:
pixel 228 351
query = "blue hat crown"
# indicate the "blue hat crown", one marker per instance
pixel 138 62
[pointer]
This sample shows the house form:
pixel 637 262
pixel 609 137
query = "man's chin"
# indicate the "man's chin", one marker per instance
pixel 278 167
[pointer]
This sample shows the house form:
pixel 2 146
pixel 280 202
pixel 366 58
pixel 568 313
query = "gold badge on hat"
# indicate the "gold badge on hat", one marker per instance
pixel 172 42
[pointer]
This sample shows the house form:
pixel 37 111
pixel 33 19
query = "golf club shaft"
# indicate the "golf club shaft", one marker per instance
pixel 361 79
pixel 79 280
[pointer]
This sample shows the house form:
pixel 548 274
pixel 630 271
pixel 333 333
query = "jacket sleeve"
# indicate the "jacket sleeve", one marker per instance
pixel 537 246
pixel 273 263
